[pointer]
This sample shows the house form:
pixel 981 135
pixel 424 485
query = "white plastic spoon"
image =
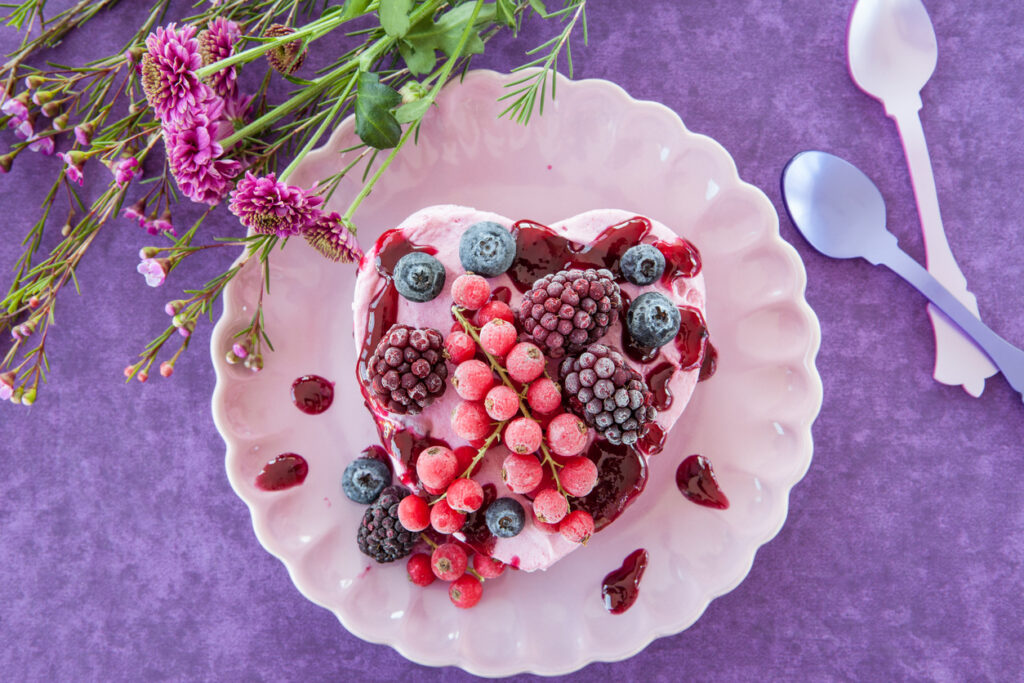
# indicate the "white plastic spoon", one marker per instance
pixel 892 52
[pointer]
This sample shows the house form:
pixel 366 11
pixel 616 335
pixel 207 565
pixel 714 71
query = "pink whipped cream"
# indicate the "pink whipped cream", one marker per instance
pixel 441 227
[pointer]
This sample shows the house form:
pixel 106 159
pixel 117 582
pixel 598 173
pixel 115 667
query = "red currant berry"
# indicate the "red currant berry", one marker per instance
pixel 466 591
pixel 523 435
pixel 488 567
pixel 472 379
pixel 436 467
pixel 501 403
pixel 550 506
pixel 444 519
pixel 419 569
pixel 525 362
pixel 498 337
pixel 459 346
pixel 470 291
pixel 543 396
pixel 465 495
pixel 470 421
pixel 521 472
pixel 414 513
pixel 449 561
pixel 578 476
pixel 577 526
pixel 567 435
pixel 494 310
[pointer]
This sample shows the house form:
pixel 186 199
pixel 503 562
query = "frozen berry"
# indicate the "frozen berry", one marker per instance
pixel 642 264
pixel 565 311
pixel 419 276
pixel 578 476
pixel 465 495
pixel 380 534
pixel 407 370
pixel 523 435
pixel 419 569
pixel 543 396
pixel 488 567
pixel 364 479
pixel 436 467
pixel 501 403
pixel 525 362
pixel 652 320
pixel 577 526
pixel 550 506
pixel 414 513
pixel 498 337
pixel 472 379
pixel 470 291
pixel 444 519
pixel 449 561
pixel 465 591
pixel 567 434
pixel 505 517
pixel 470 421
pixel 521 472
pixel 459 346
pixel 494 310
pixel 487 248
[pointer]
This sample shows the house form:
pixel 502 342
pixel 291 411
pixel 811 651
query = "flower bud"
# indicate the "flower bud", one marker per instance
pixel 411 92
pixel 29 397
pixel 33 82
pixel 16 396
pixel 129 370
pixel 172 307
pixel 148 252
pixel 166 369
pixel 6 161
pixel 84 132
pixel 41 97
pixel 240 350
pixel 33 302
pixel 142 376
pixel 133 55
pixel 51 109
pixel 177 320
pixel 61 122
pixel 231 359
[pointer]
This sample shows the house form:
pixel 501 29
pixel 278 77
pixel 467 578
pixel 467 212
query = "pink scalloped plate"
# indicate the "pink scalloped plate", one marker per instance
pixel 594 147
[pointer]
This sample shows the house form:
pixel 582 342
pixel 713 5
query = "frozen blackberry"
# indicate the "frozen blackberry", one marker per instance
pixel 608 394
pixel 570 309
pixel 407 371
pixel 381 535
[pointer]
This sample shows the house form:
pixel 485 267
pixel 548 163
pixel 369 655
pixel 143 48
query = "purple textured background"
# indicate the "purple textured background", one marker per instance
pixel 124 553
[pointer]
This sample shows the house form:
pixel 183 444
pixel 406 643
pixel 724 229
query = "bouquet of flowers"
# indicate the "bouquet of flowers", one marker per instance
pixel 170 118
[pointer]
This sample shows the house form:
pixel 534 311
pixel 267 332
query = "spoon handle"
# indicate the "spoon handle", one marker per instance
pixel 1008 358
pixel 957 361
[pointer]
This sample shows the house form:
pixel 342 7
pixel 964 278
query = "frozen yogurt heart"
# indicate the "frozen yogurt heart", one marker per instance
pixel 614 304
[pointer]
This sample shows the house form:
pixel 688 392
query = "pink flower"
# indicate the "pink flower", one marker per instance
pixel 168 73
pixel 83 133
pixel 217 42
pixel 125 171
pixel 235 108
pixel 162 224
pixel 269 207
pixel 137 212
pixel 73 170
pixel 43 145
pixel 154 270
pixel 194 156
pixel 22 129
pixel 330 237
pixel 6 391
pixel 15 108
pixel 239 350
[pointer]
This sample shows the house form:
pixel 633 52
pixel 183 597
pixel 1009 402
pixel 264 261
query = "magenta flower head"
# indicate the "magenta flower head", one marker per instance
pixel 154 270
pixel 124 171
pixel 217 42
pixel 83 133
pixel 22 128
pixel 168 73
pixel 137 212
pixel 270 207
pixel 161 224
pixel 15 108
pixel 42 145
pixel 73 170
pixel 331 238
pixel 194 156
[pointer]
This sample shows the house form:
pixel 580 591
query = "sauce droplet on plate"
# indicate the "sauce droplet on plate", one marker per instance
pixel 696 480
pixel 283 472
pixel 312 394
pixel 620 588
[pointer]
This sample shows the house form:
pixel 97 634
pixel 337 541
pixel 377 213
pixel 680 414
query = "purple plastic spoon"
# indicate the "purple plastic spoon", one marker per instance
pixel 841 213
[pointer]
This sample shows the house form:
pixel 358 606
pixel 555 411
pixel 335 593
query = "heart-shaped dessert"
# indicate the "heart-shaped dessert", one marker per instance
pixel 521 375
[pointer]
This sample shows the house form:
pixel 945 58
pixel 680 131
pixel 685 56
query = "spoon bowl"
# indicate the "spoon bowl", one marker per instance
pixel 835 206
pixel 892 47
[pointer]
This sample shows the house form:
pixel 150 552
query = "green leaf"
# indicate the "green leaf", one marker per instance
pixel 505 13
pixel 420 60
pixel 354 8
pixel 375 124
pixel 444 34
pixel 412 111
pixel 538 7
pixel 394 16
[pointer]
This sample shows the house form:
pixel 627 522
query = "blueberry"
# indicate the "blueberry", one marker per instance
pixel 364 479
pixel 419 277
pixel 652 320
pixel 505 517
pixel 642 264
pixel 487 249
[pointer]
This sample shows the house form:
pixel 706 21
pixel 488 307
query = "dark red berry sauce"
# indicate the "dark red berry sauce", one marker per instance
pixel 620 588
pixel 540 252
pixel 657 382
pixel 696 480
pixel 709 363
pixel 621 476
pixel 383 309
pixel 312 394
pixel 283 472
pixel 692 337
pixel 681 260
pixel 653 442
pixel 478 536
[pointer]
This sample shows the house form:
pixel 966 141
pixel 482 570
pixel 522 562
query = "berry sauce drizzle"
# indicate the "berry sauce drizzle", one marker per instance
pixel 682 260
pixel 621 476
pixel 709 363
pixel 540 252
pixel 696 480
pixel 478 536
pixel 620 588
pixel 382 313
pixel 283 472
pixel 657 382
pixel 312 394
pixel 692 337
